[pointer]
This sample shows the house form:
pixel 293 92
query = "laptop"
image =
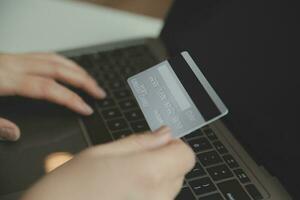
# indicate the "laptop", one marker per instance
pixel 247 51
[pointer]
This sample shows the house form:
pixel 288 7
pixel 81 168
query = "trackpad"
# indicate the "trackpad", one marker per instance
pixel 46 129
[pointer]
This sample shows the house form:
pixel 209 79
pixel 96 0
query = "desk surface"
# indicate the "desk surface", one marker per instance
pixel 154 8
pixel 51 25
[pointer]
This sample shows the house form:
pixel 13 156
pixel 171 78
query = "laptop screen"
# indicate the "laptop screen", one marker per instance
pixel 248 51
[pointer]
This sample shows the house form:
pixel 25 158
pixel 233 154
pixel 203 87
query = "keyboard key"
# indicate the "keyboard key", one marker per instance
pixel 193 134
pixel 86 98
pixel 197 171
pixel 141 62
pixel 97 63
pixel 121 134
pixel 185 194
pixel 127 71
pixel 117 124
pixel 220 147
pixel 106 103
pixel 137 50
pixel 209 158
pixel 200 144
pixel 202 186
pixel 103 56
pixel 84 61
pixel 233 190
pixel 219 172
pixel 111 76
pixel 96 129
pixel 76 59
pixel 111 113
pixel 210 134
pixel 212 197
pixel 128 104
pixel 231 162
pixel 134 115
pixel 242 176
pixel 100 60
pixel 116 85
pixel 253 191
pixel 122 62
pixel 100 82
pixel 121 94
pixel 140 126
pixel 104 66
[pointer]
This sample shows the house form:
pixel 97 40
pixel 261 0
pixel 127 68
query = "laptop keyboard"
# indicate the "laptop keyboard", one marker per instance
pixel 216 175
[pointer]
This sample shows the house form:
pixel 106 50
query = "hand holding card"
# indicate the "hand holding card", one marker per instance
pixel 175 93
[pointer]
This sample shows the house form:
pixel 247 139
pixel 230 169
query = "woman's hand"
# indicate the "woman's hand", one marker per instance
pixel 148 166
pixel 35 75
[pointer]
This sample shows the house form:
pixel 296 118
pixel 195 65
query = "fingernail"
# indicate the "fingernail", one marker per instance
pixel 101 93
pixel 8 133
pixel 86 109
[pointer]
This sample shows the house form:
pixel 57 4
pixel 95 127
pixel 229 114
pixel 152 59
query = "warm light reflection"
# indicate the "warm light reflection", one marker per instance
pixel 56 159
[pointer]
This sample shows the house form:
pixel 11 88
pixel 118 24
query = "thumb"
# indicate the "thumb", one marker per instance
pixel 140 142
pixel 8 130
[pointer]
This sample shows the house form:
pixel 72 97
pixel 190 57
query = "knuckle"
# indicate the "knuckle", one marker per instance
pixel 46 87
pixel 57 70
pixel 47 84
pixel 26 85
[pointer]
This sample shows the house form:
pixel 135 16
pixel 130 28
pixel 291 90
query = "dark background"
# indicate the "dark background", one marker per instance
pixel 250 54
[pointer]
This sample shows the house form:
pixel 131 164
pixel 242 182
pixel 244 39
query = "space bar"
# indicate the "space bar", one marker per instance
pixel 96 129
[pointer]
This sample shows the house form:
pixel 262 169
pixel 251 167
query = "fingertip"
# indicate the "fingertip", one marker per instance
pixel 87 110
pixel 16 137
pixel 17 134
pixel 8 130
pixel 100 93
pixel 9 133
pixel 83 108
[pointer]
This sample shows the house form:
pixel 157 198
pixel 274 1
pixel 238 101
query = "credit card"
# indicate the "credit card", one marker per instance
pixel 176 93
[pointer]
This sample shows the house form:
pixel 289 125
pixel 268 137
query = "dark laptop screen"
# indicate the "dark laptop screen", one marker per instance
pixel 249 51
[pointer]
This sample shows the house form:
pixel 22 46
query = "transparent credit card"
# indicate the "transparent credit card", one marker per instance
pixel 176 93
